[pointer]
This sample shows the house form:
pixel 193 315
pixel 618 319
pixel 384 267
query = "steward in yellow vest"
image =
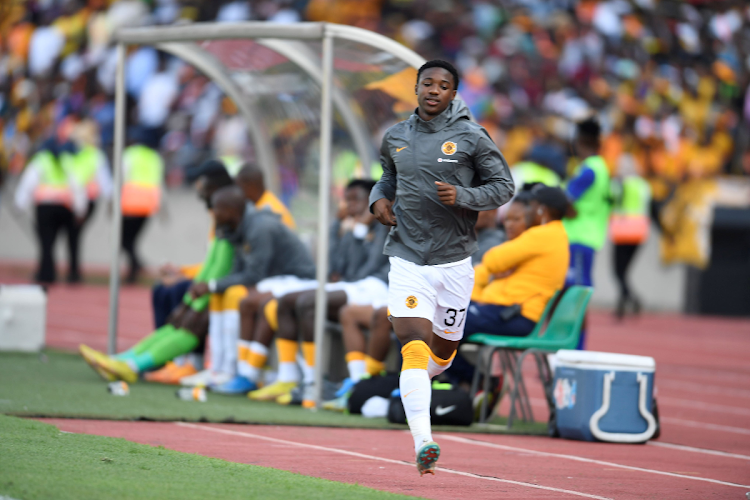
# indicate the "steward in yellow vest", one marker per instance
pixel 143 173
pixel 48 184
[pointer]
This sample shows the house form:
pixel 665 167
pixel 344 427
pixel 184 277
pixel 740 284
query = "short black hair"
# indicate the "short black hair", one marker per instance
pixel 437 63
pixel 251 173
pixel 364 184
pixel 207 168
pixel 554 199
pixel 217 179
pixel 589 132
pixel 523 197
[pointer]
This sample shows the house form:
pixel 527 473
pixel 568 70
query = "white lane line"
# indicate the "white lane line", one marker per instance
pixel 381 459
pixel 576 458
pixel 705 451
pixel 541 403
pixel 698 405
pixel 705 426
pixel 703 388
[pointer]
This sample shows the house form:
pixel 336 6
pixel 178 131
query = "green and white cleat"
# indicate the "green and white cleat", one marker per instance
pixel 427 457
pixel 339 404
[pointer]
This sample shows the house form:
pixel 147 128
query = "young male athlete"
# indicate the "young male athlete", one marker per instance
pixel 439 170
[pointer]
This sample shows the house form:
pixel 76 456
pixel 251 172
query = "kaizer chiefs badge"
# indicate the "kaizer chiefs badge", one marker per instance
pixel 448 148
pixel 411 302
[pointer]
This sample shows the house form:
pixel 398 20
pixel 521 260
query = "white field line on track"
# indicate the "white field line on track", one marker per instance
pixel 382 459
pixel 703 388
pixel 698 405
pixel 542 404
pixel 693 449
pixel 576 458
pixel 705 426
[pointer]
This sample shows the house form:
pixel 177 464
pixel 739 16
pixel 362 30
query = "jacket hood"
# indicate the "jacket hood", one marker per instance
pixel 458 110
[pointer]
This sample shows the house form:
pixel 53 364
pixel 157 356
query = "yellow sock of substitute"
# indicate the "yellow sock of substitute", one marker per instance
pixel 355 356
pixel 373 366
pixel 257 360
pixel 355 363
pixel 308 350
pixel 287 350
pixel 308 370
pixel 436 366
pixel 416 355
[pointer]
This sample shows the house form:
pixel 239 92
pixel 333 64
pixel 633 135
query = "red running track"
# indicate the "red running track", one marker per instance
pixel 472 466
pixel 703 389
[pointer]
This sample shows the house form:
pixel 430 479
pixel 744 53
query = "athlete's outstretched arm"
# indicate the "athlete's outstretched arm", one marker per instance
pixel 496 187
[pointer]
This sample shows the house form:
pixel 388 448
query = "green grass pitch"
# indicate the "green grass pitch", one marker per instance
pixel 37 461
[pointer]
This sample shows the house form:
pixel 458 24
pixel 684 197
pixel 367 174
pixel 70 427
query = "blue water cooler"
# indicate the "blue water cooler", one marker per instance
pixel 602 396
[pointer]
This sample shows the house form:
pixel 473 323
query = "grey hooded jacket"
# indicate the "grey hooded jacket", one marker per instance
pixel 265 247
pixel 449 148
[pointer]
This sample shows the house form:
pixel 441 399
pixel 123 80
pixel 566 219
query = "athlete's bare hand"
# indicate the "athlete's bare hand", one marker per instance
pixel 446 193
pixel 198 289
pixel 384 212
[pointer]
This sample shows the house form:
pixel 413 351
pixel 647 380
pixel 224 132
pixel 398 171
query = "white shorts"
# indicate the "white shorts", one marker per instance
pixel 440 294
pixel 279 286
pixel 370 291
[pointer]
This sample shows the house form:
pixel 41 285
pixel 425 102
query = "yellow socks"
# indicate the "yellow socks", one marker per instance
pixel 436 366
pixel 355 363
pixel 373 366
pixel 287 352
pixel 308 369
pixel 416 355
pixel 416 390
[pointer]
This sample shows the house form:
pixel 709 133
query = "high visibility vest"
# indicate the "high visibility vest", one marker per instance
pixel 54 186
pixel 141 189
pixel 630 223
pixel 233 164
pixel 528 172
pixel 589 227
pixel 84 168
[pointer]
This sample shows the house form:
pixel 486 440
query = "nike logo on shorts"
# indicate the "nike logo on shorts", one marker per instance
pixel 400 149
pixel 440 411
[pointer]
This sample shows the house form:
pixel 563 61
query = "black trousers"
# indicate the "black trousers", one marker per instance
pixel 623 258
pixel 131 229
pixel 51 220
pixel 74 239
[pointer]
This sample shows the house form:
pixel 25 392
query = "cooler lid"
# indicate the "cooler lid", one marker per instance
pixel 604 360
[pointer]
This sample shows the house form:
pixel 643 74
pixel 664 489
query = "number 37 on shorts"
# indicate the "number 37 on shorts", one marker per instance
pixel 438 294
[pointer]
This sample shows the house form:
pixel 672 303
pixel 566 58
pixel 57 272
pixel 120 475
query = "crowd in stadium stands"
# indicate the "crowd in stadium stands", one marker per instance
pixel 666 80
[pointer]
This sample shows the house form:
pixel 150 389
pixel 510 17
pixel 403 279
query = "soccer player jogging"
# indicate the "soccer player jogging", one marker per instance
pixel 439 170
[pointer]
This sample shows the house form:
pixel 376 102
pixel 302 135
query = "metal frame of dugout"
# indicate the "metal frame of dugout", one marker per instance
pixel 285 40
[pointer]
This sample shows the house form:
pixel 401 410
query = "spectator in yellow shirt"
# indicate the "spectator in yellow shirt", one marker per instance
pixel 527 271
pixel 518 219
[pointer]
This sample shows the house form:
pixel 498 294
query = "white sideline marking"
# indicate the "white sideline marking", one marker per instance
pixel 705 451
pixel 381 459
pixel 704 388
pixel 705 426
pixel 541 403
pixel 587 460
pixel 698 405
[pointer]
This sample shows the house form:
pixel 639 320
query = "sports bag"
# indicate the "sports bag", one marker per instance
pixel 448 407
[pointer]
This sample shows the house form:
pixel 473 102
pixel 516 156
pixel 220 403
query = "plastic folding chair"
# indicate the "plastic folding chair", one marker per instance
pixel 563 331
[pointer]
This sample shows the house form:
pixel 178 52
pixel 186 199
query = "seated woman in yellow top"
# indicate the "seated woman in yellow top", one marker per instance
pixel 522 274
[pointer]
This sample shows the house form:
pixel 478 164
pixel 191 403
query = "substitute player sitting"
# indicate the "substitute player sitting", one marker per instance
pixel 439 169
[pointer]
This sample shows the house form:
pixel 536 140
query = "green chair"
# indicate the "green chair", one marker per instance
pixel 563 331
